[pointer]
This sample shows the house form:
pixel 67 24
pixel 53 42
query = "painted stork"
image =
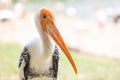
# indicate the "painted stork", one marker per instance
pixel 40 58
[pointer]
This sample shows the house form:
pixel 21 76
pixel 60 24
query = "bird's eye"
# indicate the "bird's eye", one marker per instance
pixel 44 17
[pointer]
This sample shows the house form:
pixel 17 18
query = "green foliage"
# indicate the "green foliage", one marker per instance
pixel 90 68
pixel 14 1
pixel 8 60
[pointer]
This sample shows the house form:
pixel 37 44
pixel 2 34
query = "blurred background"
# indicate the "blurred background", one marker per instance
pixel 90 28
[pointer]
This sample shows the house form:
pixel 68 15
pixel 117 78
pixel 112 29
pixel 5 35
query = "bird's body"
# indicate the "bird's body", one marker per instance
pixel 33 66
pixel 40 58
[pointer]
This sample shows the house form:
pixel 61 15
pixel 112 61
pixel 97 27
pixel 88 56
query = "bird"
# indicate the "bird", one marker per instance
pixel 39 59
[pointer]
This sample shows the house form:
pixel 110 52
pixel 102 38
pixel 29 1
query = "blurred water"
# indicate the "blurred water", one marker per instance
pixel 84 8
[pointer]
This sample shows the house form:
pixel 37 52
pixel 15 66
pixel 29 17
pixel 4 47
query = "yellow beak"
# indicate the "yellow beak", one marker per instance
pixel 54 33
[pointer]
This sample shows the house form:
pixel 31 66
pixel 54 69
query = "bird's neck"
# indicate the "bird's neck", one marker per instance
pixel 47 45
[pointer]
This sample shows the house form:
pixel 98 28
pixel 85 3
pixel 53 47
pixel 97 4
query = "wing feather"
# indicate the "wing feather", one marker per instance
pixel 24 64
pixel 55 62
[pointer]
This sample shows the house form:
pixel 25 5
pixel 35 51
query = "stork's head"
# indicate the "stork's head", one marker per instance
pixel 46 20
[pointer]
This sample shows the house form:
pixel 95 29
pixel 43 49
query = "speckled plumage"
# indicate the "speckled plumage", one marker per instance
pixel 31 73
